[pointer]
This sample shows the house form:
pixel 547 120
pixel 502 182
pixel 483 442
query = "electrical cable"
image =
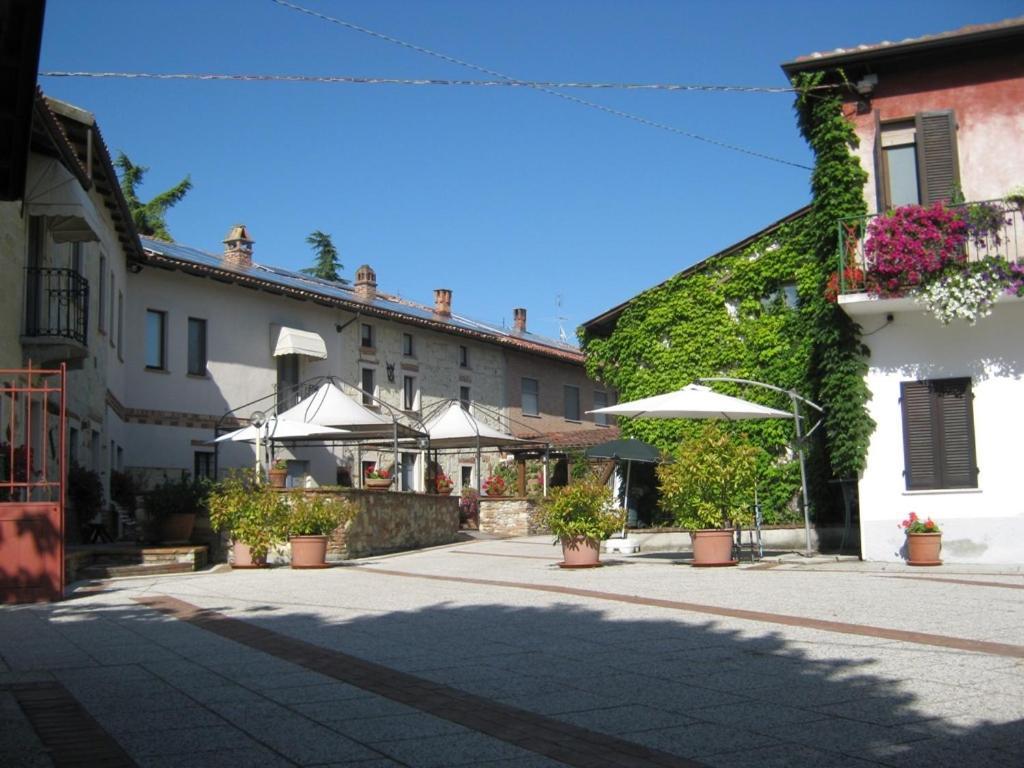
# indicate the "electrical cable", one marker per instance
pixel 565 96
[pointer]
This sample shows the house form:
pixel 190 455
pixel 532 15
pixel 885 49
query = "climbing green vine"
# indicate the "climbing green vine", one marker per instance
pixel 732 315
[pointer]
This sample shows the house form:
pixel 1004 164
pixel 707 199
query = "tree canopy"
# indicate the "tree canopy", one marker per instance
pixel 149 217
pixel 327 264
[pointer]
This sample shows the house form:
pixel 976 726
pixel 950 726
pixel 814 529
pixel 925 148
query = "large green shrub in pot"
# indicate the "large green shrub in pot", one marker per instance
pixel 710 481
pixel 582 510
pixel 254 514
pixel 317 514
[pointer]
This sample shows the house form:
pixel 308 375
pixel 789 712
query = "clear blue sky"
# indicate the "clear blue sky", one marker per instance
pixel 509 197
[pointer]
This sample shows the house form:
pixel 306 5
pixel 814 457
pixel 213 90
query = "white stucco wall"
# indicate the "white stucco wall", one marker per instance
pixel 983 525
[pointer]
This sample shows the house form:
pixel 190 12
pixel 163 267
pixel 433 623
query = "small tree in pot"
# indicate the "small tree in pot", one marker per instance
pixel 254 515
pixel 580 516
pixel 312 518
pixel 708 488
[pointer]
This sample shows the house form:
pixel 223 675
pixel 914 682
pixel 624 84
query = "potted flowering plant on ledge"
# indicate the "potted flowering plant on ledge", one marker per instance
pixel 377 478
pixel 443 484
pixel 495 486
pixel 924 540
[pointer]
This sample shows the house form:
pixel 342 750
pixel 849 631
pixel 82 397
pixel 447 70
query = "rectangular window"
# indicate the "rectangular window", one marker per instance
pixel 120 326
pixel 464 400
pixel 463 356
pixel 113 318
pixel 156 339
pixel 531 397
pixel 202 466
pixel 916 160
pixel 409 393
pixel 408 348
pixel 368 386
pixel 938 434
pixel 287 381
pixel 408 471
pixel 366 335
pixel 76 257
pixel 196 346
pixel 600 401
pixel 120 459
pixel 467 476
pixel 72 446
pixel 101 314
pixel 572 402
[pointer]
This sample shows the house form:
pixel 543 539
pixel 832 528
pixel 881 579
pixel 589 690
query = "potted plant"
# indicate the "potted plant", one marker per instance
pixel 495 486
pixel 254 516
pixel 469 508
pixel 312 518
pixel 708 488
pixel 172 506
pixel 581 516
pixel 377 478
pixel 924 540
pixel 278 473
pixel 443 484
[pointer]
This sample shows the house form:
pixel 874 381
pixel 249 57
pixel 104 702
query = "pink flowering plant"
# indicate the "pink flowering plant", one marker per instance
pixel 914 524
pixel 377 473
pixel 912 243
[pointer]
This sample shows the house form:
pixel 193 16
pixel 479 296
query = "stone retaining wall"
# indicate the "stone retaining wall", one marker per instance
pixel 392 522
pixel 510 516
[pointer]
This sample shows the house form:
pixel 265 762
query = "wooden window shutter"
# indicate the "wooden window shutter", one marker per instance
pixel 938 167
pixel 938 434
pixel 881 171
pixel 920 469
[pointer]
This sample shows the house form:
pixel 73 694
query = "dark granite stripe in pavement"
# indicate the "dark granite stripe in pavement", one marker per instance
pixel 71 736
pixel 968 582
pixel 554 739
pixel 863 630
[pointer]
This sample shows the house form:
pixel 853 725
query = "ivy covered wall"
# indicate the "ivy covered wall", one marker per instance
pixel 758 311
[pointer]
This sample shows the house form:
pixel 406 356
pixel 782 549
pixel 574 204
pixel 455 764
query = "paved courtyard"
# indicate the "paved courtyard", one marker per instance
pixel 485 653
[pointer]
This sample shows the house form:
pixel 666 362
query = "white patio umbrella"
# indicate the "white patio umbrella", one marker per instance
pixel 694 402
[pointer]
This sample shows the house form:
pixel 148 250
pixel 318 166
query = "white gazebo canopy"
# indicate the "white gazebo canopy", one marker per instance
pixel 331 407
pixel 455 427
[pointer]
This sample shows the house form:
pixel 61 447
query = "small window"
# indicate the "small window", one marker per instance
pixel 408 347
pixel 407 471
pixel 120 459
pixel 113 292
pixel 572 402
pixel 467 476
pixel 196 346
pixel 76 257
pixel 101 309
pixel 120 326
pixel 531 397
pixel 368 386
pixel 156 339
pixel 464 400
pixel 409 393
pixel 202 465
pixel 287 381
pixel 366 336
pixel 938 434
pixel 601 401
pixel 463 356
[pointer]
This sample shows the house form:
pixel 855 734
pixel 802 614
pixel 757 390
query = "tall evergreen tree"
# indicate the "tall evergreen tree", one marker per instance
pixel 148 217
pixel 327 264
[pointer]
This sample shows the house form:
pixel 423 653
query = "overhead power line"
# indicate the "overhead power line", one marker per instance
pixel 543 88
pixel 358 80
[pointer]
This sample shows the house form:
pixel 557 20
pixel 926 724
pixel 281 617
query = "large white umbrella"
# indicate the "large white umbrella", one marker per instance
pixel 280 428
pixel 693 402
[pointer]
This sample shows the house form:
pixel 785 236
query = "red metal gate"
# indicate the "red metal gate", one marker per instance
pixel 32 476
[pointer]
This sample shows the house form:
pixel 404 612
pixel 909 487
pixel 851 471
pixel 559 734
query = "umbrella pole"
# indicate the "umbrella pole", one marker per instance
pixel 803 476
pixel 625 498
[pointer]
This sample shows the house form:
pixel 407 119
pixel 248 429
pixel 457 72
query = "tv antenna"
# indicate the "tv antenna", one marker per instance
pixel 561 319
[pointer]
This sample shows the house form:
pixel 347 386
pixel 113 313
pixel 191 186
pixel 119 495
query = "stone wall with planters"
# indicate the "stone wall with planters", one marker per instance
pixel 510 516
pixel 392 522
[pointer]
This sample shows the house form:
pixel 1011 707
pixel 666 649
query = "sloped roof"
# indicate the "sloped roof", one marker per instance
pixel 969 35
pixel 298 285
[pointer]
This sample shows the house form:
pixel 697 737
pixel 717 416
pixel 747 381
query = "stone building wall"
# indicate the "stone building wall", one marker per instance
pixel 510 516
pixel 392 522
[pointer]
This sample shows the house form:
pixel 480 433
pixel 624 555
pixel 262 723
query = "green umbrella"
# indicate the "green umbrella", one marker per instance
pixel 627 450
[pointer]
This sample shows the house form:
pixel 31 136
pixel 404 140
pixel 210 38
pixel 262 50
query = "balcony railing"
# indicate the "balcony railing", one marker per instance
pixel 56 304
pixel 1004 240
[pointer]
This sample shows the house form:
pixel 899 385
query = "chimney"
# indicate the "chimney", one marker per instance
pixel 443 302
pixel 519 319
pixel 238 246
pixel 366 283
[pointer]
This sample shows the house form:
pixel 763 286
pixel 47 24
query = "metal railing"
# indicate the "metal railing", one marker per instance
pixel 56 303
pixel 1004 240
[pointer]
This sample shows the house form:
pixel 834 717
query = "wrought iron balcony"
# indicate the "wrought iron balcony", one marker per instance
pixel 993 228
pixel 56 305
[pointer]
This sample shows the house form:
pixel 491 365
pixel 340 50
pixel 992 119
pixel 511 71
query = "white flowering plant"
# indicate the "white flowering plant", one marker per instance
pixel 965 293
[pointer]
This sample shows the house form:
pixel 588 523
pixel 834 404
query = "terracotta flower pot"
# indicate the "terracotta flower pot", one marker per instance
pixel 244 559
pixel 309 551
pixel 377 483
pixel 580 552
pixel 712 547
pixel 924 548
pixel 278 477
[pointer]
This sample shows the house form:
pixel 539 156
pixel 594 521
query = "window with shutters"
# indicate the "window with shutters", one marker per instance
pixel 938 434
pixel 916 160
